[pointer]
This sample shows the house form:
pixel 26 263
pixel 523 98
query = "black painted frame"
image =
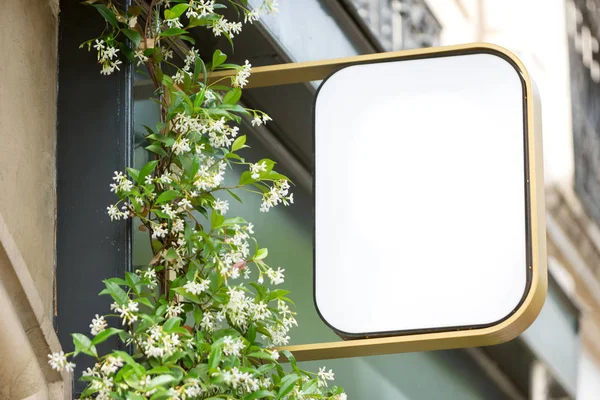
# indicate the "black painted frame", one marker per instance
pixel 93 140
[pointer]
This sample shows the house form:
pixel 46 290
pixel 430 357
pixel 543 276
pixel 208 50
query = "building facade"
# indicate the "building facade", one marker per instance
pixel 58 159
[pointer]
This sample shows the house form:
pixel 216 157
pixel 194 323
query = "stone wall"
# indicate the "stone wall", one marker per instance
pixel 28 43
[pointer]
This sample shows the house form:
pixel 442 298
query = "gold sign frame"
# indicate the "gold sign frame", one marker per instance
pixel 529 309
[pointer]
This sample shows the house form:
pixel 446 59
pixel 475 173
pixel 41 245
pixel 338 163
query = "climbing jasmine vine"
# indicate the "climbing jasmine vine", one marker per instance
pixel 199 318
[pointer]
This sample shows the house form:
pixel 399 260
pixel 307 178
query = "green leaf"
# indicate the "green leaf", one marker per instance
pixel 261 253
pixel 251 334
pixel 134 36
pixel 233 96
pixel 144 301
pixel 171 254
pixel 147 170
pixel 83 344
pixel 134 173
pixel 246 178
pixel 216 219
pixel 261 394
pixel 158 370
pixel 199 100
pixel 200 68
pixel 160 381
pixel 175 12
pixel 130 361
pixel 105 334
pixel 115 292
pixel 218 58
pixel 108 15
pixel 188 39
pixel 171 324
pixel 287 385
pixel 239 143
pixel 156 148
pixel 235 196
pixel 173 32
pixel 167 196
pixel 215 355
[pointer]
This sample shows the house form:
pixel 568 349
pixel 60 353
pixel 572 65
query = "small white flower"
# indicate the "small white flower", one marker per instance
pixel 114 213
pixel 257 121
pixel 222 206
pixel 178 225
pixel 110 52
pixel 275 355
pixel 185 204
pixel 159 231
pixel 276 277
pixel 181 146
pixel 58 361
pixel 232 346
pixel 99 45
pixel 165 178
pixel 178 77
pixel 126 311
pixel 139 54
pixel 98 325
pixel 256 169
pixel 324 376
pixel 166 208
pixel 241 77
pixel 174 310
pixel 195 287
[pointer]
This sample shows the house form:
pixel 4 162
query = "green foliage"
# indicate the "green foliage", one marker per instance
pixel 198 324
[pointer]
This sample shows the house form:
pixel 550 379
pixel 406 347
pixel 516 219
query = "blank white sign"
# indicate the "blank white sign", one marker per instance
pixel 420 217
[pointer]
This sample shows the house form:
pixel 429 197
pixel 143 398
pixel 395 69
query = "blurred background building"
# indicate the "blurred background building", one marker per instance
pixel 99 130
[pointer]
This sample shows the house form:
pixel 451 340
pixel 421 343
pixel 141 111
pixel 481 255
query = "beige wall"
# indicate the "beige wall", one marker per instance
pixel 28 44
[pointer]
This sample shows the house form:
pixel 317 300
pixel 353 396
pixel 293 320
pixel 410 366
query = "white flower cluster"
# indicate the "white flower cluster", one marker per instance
pixel 279 193
pixel 324 376
pixel 150 276
pixel 233 346
pixel 276 277
pixel 58 361
pixel 197 288
pixel 127 311
pixel 210 174
pixel 102 375
pixel 121 183
pixel 200 8
pixel 243 381
pixel 256 169
pixel 174 309
pixel 115 214
pixel 259 120
pixel 241 77
pixel 141 58
pixel 221 206
pixel 190 60
pixel 268 6
pixel 279 331
pixel 218 132
pixel 106 54
pixel 98 325
pixel 159 344
pixel 223 26
pixel 232 260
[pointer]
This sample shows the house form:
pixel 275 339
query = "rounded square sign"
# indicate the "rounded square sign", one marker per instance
pixel 424 220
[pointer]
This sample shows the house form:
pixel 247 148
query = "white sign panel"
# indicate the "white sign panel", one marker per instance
pixel 422 213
